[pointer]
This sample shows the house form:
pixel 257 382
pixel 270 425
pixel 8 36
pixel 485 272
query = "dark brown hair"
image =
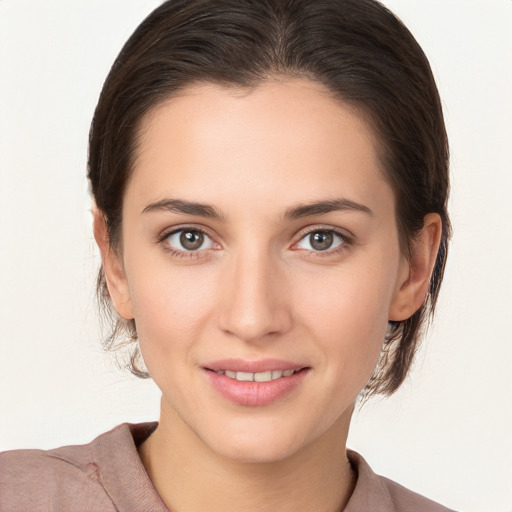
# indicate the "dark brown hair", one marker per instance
pixel 358 49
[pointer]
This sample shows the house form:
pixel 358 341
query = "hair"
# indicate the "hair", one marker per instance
pixel 360 51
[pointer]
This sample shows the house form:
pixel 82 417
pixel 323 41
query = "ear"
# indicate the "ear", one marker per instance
pixel 414 276
pixel 113 267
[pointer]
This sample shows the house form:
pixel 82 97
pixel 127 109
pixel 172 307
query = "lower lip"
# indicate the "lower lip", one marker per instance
pixel 255 393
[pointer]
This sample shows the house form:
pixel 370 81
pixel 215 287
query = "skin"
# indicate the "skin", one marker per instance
pixel 258 289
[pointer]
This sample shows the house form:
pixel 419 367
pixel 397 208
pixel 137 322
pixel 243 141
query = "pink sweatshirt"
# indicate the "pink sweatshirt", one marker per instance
pixel 107 475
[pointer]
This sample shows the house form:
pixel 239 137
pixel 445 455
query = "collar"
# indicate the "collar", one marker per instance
pixel 128 485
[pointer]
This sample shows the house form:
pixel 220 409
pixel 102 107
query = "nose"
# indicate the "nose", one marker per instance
pixel 255 304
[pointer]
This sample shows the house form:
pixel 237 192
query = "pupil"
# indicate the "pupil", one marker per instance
pixel 191 240
pixel 321 241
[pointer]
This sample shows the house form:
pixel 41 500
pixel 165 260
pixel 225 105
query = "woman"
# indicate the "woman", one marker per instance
pixel 270 184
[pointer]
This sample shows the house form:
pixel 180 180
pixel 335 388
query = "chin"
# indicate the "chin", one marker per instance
pixel 267 444
pixel 257 451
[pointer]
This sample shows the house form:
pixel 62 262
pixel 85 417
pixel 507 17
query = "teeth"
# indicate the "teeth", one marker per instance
pixel 256 377
pixel 263 376
pixel 244 376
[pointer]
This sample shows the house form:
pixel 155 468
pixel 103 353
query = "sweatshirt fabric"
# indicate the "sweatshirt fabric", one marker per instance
pixel 107 475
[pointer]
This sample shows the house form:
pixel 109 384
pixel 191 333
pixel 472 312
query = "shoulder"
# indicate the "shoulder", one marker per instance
pixel 375 492
pixel 407 500
pixel 59 479
pixel 106 474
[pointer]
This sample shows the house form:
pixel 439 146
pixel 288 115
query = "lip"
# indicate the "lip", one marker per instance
pixel 241 365
pixel 254 393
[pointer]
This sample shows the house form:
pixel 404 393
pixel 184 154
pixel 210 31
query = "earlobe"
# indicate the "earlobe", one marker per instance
pixel 112 265
pixel 414 278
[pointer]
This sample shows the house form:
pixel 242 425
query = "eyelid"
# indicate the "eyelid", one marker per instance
pixel 165 234
pixel 344 234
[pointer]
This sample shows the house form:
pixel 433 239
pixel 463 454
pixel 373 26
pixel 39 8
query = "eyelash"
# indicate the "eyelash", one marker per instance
pixel 182 254
pixel 346 242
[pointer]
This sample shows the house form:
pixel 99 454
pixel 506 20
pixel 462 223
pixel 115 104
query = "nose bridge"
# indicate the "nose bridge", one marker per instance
pixel 255 303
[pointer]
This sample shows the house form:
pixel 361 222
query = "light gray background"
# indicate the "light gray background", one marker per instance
pixel 446 434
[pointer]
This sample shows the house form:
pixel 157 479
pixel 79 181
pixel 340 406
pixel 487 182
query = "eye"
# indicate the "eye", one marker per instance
pixel 321 240
pixel 189 240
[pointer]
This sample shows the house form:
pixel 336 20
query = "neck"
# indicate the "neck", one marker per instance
pixel 190 477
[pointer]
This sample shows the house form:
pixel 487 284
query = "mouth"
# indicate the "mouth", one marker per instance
pixel 265 376
pixel 256 388
pixel 255 383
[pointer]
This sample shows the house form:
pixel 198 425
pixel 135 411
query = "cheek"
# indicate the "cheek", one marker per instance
pixel 347 314
pixel 171 308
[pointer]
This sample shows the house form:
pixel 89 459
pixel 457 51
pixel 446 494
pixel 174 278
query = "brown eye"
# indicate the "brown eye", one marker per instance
pixel 191 240
pixel 321 240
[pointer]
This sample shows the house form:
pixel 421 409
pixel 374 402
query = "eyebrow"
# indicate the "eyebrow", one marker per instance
pixel 297 212
pixel 323 207
pixel 186 207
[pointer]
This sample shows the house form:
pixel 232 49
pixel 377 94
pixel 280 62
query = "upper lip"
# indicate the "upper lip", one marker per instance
pixel 242 365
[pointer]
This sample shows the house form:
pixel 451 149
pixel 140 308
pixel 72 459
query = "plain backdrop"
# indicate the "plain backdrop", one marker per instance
pixel 446 434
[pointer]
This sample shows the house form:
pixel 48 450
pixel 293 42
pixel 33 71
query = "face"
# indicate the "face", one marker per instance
pixel 261 263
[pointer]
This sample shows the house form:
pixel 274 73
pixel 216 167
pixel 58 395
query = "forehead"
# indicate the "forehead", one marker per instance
pixel 275 143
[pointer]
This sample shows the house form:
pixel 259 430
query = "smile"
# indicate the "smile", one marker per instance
pixel 256 377
pixel 268 381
